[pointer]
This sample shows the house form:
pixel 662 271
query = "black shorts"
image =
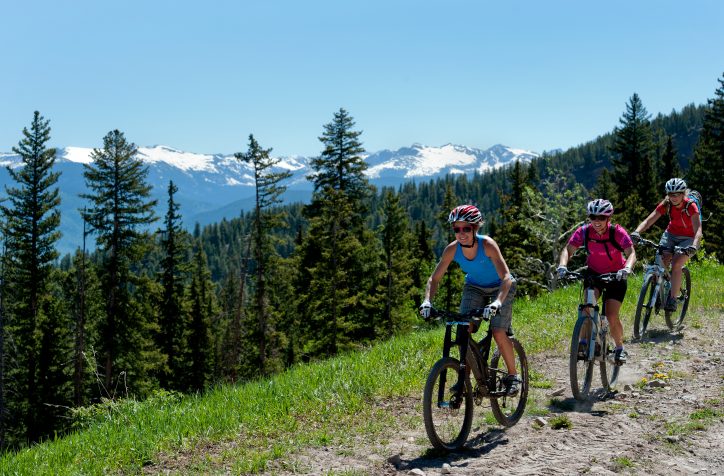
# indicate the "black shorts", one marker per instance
pixel 615 290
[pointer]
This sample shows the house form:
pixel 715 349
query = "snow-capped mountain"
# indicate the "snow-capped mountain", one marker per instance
pixel 212 187
pixel 419 161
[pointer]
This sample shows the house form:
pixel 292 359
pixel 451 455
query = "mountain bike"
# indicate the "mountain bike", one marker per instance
pixel 655 290
pixel 591 342
pixel 449 392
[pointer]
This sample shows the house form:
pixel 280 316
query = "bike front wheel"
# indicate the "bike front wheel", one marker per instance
pixel 448 414
pixel 674 319
pixel 581 369
pixel 508 410
pixel 609 371
pixel 645 306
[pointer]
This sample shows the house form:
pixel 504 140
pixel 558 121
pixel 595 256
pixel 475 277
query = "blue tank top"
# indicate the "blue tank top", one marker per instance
pixel 479 271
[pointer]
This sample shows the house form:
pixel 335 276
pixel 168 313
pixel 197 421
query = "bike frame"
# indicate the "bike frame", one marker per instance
pixel 658 270
pixel 599 323
pixel 476 358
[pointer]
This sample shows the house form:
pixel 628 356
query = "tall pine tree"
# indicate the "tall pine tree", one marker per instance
pixel 338 257
pixel 173 325
pixel 119 207
pixel 633 166
pixel 265 218
pixel 200 349
pixel 31 221
pixel 397 276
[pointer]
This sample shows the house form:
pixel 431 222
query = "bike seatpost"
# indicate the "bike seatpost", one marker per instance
pixel 590 296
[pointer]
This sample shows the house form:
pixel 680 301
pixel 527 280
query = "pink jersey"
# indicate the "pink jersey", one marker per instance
pixel 599 251
pixel 680 223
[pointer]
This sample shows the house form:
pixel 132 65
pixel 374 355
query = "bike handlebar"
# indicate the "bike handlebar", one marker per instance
pixel 463 318
pixel 606 277
pixel 658 247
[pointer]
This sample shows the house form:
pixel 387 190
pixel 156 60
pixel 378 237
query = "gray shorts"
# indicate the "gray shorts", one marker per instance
pixel 668 241
pixel 475 296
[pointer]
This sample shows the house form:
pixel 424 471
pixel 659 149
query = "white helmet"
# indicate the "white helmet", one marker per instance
pixel 600 206
pixel 675 185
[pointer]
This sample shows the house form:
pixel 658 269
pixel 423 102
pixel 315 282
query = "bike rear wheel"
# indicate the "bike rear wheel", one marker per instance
pixel 674 319
pixel 508 410
pixel 645 306
pixel 581 370
pixel 448 416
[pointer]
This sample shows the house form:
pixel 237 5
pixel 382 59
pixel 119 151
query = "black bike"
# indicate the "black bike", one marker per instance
pixel 449 392
pixel 591 342
pixel 655 291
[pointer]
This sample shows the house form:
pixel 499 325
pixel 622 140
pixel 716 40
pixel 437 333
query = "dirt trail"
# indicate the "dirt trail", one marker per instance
pixel 671 427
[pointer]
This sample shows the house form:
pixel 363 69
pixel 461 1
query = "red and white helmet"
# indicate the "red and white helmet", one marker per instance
pixel 466 213
pixel 600 206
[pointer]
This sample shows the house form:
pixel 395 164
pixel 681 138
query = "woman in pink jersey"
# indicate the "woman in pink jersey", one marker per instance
pixel 487 278
pixel 606 245
pixel 684 231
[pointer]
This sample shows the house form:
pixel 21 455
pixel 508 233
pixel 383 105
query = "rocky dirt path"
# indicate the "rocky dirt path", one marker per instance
pixel 670 424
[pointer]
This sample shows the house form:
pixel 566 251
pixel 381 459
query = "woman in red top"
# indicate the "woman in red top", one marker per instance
pixel 684 231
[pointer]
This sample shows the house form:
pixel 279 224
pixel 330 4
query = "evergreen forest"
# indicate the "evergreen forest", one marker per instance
pixel 156 308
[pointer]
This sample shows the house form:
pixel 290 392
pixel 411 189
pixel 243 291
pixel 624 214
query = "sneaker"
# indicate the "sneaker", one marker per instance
pixel 670 304
pixel 620 356
pixel 512 385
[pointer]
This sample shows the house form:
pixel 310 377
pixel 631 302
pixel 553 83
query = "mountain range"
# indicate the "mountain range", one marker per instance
pixel 212 187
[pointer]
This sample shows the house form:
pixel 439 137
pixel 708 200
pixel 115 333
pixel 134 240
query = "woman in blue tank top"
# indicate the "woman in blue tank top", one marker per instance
pixel 487 278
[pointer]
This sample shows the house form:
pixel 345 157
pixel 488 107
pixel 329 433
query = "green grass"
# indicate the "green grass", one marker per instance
pixel 561 421
pixel 244 428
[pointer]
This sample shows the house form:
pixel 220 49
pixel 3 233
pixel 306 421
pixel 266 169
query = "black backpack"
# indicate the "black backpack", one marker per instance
pixel 610 239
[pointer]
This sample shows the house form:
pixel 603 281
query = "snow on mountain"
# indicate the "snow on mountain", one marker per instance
pixel 216 186
pixel 423 161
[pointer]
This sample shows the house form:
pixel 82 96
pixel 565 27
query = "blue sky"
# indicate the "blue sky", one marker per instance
pixel 202 76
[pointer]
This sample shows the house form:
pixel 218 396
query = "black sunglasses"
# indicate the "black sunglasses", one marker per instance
pixel 462 229
pixel 597 217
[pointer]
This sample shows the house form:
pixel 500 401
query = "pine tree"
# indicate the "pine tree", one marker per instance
pixel 339 257
pixel 633 168
pixel 31 221
pixel 449 292
pixel 202 309
pixel 119 206
pixel 83 295
pixel 669 162
pixel 519 180
pixel 706 170
pixel 265 218
pixel 423 261
pixel 172 313
pixel 396 239
pixel 605 188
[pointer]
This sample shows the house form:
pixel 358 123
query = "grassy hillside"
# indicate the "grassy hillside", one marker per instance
pixel 245 427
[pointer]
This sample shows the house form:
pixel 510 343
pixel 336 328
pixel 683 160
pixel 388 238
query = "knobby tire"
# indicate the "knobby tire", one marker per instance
pixel 608 380
pixel 580 384
pixel 446 427
pixel 674 319
pixel 508 410
pixel 645 306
